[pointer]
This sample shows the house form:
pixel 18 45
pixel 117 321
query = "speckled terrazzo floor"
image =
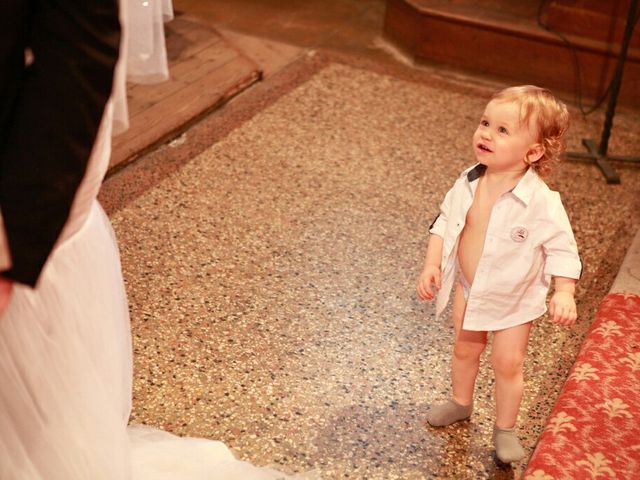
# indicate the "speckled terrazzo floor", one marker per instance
pixel 271 281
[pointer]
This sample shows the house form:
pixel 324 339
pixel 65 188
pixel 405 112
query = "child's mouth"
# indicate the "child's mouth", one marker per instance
pixel 484 148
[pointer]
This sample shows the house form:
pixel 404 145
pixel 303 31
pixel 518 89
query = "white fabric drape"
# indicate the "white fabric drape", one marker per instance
pixel 142 50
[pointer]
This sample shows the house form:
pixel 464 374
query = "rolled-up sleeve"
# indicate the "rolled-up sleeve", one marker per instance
pixel 561 251
pixel 439 224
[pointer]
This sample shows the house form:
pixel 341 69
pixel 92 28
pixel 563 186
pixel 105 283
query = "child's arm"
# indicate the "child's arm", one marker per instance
pixel 562 306
pixel 431 270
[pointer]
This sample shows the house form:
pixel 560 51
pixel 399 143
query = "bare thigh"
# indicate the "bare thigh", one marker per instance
pixel 510 346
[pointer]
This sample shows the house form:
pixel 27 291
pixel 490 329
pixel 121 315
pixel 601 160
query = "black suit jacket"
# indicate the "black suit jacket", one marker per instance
pixel 49 116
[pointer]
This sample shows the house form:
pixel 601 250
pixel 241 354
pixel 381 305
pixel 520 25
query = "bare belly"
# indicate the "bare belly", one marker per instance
pixel 470 250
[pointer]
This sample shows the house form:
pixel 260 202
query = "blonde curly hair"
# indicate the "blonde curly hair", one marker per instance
pixel 550 116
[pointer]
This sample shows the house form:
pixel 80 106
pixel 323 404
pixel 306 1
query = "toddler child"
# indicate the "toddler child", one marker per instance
pixel 499 238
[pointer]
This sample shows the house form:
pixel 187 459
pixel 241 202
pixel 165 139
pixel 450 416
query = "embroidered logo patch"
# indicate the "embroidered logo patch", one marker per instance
pixel 519 234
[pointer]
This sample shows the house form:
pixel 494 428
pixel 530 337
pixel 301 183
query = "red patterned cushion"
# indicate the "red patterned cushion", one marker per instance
pixel 594 429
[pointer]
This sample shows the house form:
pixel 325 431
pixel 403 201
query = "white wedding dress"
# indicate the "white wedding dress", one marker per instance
pixel 66 362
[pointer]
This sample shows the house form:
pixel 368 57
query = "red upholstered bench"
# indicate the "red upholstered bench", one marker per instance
pixel 593 431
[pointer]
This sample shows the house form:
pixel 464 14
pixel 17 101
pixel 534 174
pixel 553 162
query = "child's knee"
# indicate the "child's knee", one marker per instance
pixel 508 363
pixel 468 350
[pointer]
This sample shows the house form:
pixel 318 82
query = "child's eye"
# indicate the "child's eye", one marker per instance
pixel 503 130
pixel 484 123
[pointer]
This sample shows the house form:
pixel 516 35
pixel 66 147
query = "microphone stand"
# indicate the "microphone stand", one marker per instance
pixel 598 153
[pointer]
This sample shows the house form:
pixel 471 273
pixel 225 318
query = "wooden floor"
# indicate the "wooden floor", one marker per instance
pixel 206 70
pixel 217 49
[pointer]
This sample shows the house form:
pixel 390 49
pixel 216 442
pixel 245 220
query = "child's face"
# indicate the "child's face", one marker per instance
pixel 502 141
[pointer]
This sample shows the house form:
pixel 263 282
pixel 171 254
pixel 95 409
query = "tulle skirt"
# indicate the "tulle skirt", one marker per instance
pixel 65 379
pixel 65 365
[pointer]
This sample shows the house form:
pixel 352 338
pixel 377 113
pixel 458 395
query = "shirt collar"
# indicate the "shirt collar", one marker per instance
pixel 474 172
pixel 526 186
pixel 523 190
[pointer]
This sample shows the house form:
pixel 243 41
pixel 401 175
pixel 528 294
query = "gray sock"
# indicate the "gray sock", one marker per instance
pixel 448 413
pixel 508 448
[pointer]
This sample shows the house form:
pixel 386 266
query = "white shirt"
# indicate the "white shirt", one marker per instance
pixel 529 239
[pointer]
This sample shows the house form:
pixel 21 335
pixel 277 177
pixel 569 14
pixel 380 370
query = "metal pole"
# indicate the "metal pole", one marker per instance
pixel 617 80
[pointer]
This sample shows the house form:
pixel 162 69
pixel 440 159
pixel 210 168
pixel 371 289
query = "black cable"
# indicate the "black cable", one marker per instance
pixel 576 63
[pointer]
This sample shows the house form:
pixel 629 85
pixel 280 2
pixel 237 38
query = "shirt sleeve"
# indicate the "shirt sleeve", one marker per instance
pixel 562 258
pixel 55 115
pixel 439 225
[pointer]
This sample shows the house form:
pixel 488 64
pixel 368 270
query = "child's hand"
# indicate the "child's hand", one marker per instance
pixel 562 309
pixel 430 275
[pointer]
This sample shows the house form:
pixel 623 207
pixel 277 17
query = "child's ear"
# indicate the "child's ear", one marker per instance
pixel 535 153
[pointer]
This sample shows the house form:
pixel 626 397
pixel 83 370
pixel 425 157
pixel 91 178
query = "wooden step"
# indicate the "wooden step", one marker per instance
pixel 205 71
pixel 595 19
pixel 503 39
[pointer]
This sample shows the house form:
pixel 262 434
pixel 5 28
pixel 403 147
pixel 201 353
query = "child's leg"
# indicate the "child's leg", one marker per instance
pixel 507 358
pixel 467 349
pixel 464 369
